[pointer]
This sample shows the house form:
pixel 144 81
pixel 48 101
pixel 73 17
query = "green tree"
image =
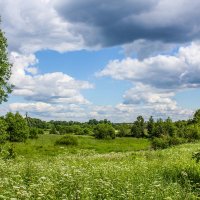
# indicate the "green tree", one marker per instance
pixel 138 128
pixel 196 117
pixel 170 127
pixel 18 129
pixel 5 69
pixel 53 130
pixel 104 131
pixel 159 129
pixel 3 131
pixel 33 133
pixel 150 126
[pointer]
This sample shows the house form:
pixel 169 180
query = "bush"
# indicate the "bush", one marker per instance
pixel 160 143
pixel 123 131
pixel 104 131
pixel 87 131
pixel 192 133
pixel 41 131
pixel 53 130
pixel 33 133
pixel 166 141
pixel 67 140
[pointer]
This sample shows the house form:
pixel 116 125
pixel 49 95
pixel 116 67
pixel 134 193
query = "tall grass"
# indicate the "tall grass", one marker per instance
pixel 86 174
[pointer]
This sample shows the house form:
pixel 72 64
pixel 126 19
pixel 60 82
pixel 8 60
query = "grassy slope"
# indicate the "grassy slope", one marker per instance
pixel 84 174
pixel 44 146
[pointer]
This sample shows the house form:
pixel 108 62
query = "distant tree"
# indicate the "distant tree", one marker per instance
pixel 123 131
pixel 53 130
pixel 170 127
pixel 138 128
pixel 18 129
pixel 159 129
pixel 5 69
pixel 3 131
pixel 93 122
pixel 104 131
pixel 150 126
pixel 196 117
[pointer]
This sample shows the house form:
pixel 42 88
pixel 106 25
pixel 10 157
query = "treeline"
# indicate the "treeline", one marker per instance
pixel 163 133
pixel 15 128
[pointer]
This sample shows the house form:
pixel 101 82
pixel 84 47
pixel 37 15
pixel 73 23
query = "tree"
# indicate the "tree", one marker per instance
pixel 196 117
pixel 53 130
pixel 5 69
pixel 150 126
pixel 3 131
pixel 18 130
pixel 104 131
pixel 138 128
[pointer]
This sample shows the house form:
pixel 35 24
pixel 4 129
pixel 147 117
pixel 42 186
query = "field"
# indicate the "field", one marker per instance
pixel 125 168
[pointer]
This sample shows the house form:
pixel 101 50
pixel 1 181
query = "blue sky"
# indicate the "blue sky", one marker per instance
pixel 77 60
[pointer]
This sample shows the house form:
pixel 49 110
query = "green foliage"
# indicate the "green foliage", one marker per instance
pixel 67 140
pixel 196 156
pixel 3 131
pixel 53 130
pixel 38 123
pixel 33 133
pixel 104 131
pixel 87 131
pixel 138 128
pixel 150 126
pixel 196 117
pixel 166 141
pixel 40 131
pixel 192 133
pixel 18 129
pixel 5 69
pixel 123 131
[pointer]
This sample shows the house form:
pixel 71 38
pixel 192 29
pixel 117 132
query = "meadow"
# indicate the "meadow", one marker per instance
pixel 124 168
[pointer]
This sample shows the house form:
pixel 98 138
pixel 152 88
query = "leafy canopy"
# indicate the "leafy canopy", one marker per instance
pixel 5 69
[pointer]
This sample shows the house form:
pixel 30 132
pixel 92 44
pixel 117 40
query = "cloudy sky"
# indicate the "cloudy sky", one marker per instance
pixel 77 60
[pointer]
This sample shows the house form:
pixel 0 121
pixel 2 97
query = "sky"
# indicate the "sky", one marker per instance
pixel 79 60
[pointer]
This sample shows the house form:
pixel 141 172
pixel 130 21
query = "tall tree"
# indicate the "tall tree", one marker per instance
pixel 138 128
pixel 150 126
pixel 5 69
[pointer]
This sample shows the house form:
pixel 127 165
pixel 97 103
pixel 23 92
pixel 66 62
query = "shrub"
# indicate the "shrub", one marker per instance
pixel 53 130
pixel 87 131
pixel 166 141
pixel 160 143
pixel 104 131
pixel 33 133
pixel 123 131
pixel 67 140
pixel 192 133
pixel 41 131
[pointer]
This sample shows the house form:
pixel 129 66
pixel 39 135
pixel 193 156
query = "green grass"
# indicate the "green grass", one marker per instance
pixel 44 145
pixel 101 172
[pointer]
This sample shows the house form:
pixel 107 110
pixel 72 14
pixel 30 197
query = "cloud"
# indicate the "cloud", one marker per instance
pixel 54 87
pixel 156 80
pixel 32 26
pixel 147 48
pixel 163 71
pixel 119 22
pixel 73 25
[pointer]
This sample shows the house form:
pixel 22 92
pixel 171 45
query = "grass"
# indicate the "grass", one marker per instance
pixel 44 145
pixel 87 174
